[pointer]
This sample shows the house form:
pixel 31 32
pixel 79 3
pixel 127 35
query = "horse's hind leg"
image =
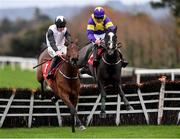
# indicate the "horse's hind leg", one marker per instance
pixel 40 79
pixel 122 95
pixel 42 95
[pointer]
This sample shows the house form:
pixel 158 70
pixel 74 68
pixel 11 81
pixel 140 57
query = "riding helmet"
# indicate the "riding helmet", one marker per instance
pixel 99 12
pixel 60 21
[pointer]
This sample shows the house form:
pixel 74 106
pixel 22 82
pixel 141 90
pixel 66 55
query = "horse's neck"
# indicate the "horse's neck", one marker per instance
pixel 112 58
pixel 69 70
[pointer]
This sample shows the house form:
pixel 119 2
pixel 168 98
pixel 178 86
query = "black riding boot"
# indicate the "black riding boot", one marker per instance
pixel 56 60
pixel 95 61
pixel 124 63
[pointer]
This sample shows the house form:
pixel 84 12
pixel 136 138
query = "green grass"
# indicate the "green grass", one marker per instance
pixel 94 132
pixel 18 78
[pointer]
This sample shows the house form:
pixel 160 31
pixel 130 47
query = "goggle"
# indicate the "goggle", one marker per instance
pixel 99 17
pixel 61 26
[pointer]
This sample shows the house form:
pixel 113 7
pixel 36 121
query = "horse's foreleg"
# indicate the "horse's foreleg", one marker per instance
pixel 69 102
pixel 74 101
pixel 103 100
pixel 122 95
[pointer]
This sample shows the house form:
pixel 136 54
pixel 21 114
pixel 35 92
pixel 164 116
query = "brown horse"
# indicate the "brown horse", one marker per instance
pixel 66 84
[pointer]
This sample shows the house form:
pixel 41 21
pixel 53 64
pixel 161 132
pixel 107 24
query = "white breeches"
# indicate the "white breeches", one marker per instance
pixel 62 49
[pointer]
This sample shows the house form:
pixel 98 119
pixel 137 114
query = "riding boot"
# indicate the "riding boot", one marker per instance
pixel 56 60
pixel 95 61
pixel 124 62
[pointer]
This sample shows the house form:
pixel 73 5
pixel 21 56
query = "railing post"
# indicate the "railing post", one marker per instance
pixel 118 110
pixel 138 78
pixel 58 114
pixel 143 105
pixel 7 109
pixel 89 117
pixel 31 110
pixel 161 100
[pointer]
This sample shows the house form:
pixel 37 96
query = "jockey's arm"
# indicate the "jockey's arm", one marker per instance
pixel 51 39
pixel 90 30
pixel 68 37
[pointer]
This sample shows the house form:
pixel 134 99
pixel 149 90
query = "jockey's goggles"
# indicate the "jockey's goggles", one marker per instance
pixel 61 26
pixel 99 17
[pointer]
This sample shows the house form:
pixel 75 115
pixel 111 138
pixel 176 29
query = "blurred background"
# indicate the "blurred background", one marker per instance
pixel 149 30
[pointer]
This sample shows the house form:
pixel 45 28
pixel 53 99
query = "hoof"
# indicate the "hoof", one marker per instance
pixel 54 99
pixel 42 97
pixel 82 128
pixel 103 115
pixel 129 108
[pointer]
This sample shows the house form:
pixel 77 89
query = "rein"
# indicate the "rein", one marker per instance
pixel 65 76
pixel 68 77
pixel 64 59
pixel 110 63
pixel 103 46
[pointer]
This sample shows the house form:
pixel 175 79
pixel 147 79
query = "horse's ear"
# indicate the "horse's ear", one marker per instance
pixel 115 29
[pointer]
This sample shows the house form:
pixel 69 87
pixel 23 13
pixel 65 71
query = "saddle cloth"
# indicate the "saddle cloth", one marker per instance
pixel 45 70
pixel 91 58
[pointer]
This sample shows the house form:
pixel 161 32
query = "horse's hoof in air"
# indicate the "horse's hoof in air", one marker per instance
pixel 82 128
pixel 42 97
pixel 129 108
pixel 54 99
pixel 103 115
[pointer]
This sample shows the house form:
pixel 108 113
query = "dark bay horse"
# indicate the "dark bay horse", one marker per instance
pixel 66 84
pixel 108 72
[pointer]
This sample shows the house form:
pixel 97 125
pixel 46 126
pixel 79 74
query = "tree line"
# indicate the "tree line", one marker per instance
pixel 147 43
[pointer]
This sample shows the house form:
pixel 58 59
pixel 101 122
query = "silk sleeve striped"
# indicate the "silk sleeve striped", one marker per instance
pixel 108 23
pixel 90 30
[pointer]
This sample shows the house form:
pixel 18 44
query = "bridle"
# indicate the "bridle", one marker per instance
pixel 105 46
pixel 65 76
pixel 68 77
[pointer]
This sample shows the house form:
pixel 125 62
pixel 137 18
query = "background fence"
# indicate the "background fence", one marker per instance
pixel 130 74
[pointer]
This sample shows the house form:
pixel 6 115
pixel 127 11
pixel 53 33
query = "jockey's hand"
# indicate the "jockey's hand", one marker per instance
pixel 59 53
pixel 98 42
pixel 102 42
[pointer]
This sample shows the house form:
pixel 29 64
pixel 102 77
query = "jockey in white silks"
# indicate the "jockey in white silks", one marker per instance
pixel 55 40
